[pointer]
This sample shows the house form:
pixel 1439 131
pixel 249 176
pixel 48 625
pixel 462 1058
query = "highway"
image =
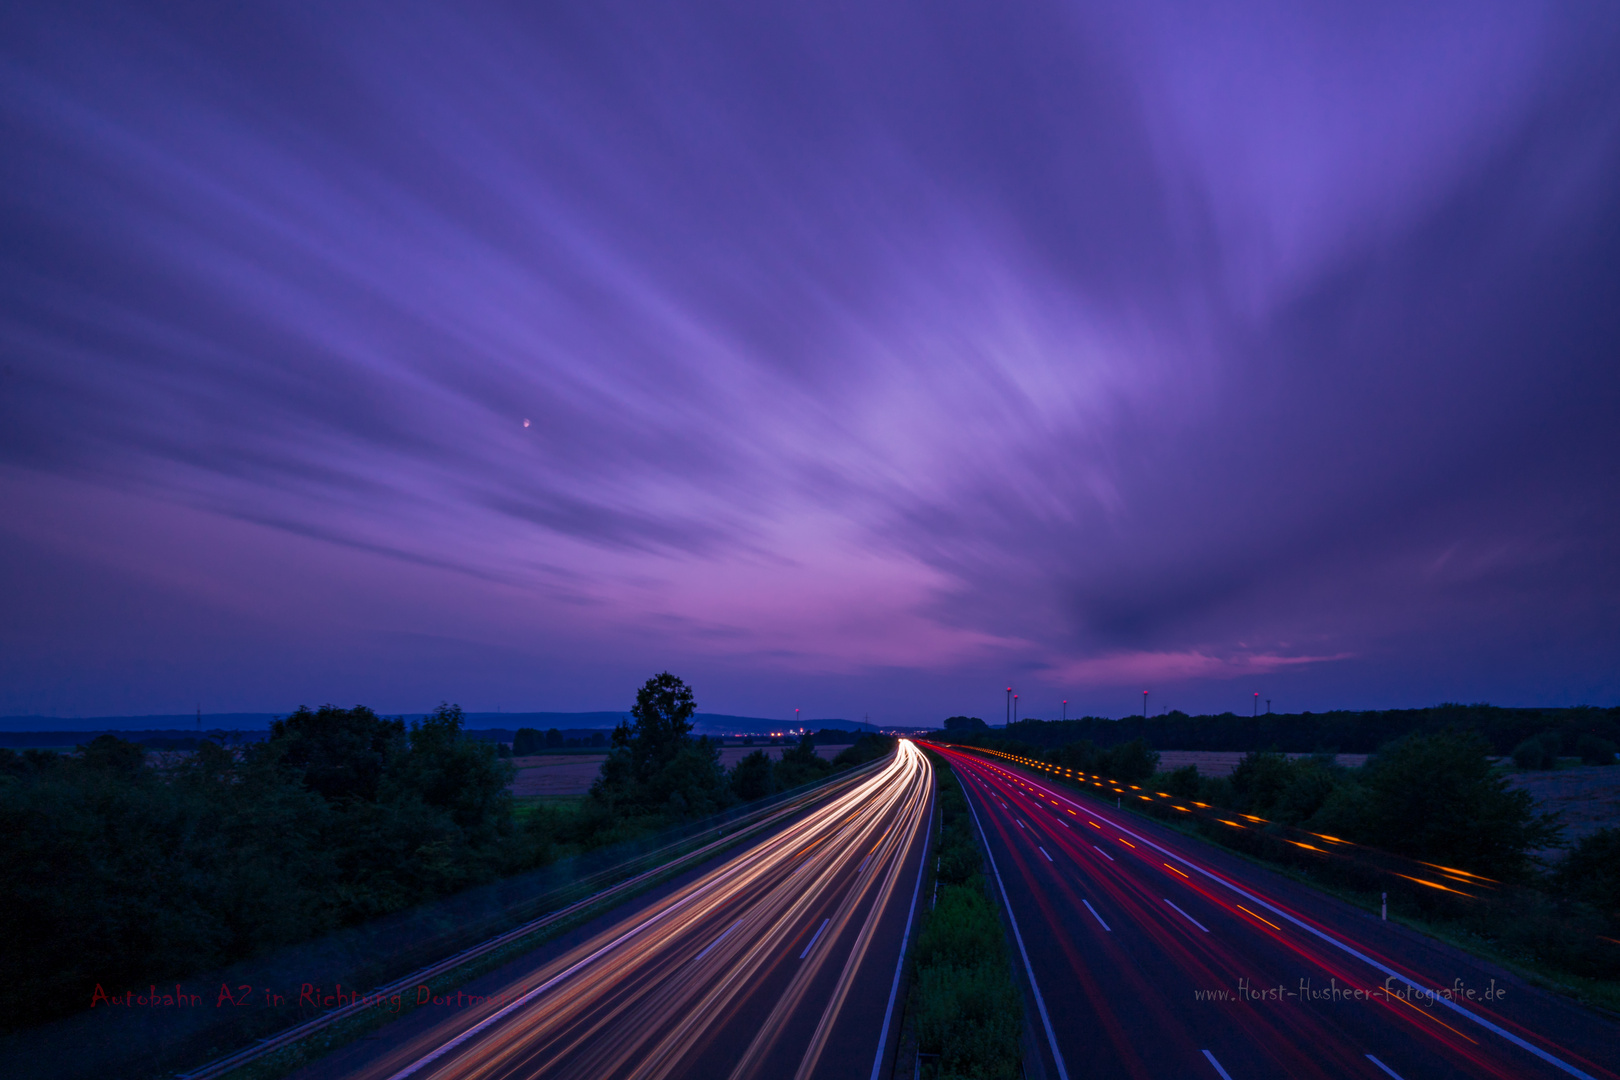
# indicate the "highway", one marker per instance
pixel 780 961
pixel 1157 955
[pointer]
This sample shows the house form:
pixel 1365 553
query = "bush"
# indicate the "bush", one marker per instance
pixel 527 741
pixel 1132 762
pixel 751 777
pixel 800 764
pixel 1591 872
pixel 1436 798
pixel 972 1018
pixel 129 872
pixel 1595 751
pixel 1183 782
pixel 963 929
pixel 1530 754
pixel 864 749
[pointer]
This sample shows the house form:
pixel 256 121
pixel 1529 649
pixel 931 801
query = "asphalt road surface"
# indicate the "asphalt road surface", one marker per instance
pixel 781 961
pixel 1155 955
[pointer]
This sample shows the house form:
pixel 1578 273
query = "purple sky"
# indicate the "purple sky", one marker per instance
pixel 861 358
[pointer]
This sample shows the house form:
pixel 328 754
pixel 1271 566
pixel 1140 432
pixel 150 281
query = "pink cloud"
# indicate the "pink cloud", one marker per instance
pixel 1118 669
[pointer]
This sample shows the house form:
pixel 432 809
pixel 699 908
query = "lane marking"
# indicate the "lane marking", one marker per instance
pixel 1224 1074
pixel 1043 852
pixel 1386 1068
pixel 1192 920
pixel 718 940
pixel 1173 870
pixel 1096 916
pixel 1103 853
pixel 817 938
pixel 1434 995
pixel 1040 1002
pixel 1020 823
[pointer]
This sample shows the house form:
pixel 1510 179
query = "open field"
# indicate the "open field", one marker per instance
pixel 1585 797
pixel 1222 762
pixel 554 775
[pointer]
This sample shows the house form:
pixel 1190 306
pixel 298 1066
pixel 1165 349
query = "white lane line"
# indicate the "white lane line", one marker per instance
pixel 1224 1074
pixel 1386 1068
pixel 1096 916
pixel 719 939
pixel 1040 1002
pixel 1103 853
pixel 1433 995
pixel 1020 823
pixel 815 939
pixel 859 869
pixel 1195 922
pixel 900 965
pixel 1043 852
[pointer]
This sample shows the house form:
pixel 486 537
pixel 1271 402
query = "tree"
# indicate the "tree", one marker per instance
pixel 1595 751
pixel 868 747
pixel 751 777
pixel 1132 762
pixel 661 722
pixel 1435 797
pixel 965 724
pixel 1591 872
pixel 527 741
pixel 1183 781
pixel 1530 754
pixel 655 764
pixel 455 774
pixel 339 753
pixel 1259 779
pixel 554 739
pixel 801 764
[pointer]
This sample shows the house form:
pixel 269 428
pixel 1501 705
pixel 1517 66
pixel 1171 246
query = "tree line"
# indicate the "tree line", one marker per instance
pixel 125 867
pixel 1580 731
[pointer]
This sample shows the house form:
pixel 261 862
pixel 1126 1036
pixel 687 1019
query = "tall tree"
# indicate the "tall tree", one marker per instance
pixel 662 721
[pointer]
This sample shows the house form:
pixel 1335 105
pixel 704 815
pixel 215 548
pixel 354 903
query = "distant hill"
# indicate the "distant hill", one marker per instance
pixel 183 722
pixel 151 729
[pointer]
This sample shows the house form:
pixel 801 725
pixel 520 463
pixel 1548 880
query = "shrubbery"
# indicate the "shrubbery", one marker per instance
pixel 123 871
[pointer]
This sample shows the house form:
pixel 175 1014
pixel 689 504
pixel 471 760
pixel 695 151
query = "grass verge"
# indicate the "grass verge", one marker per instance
pixel 966 1014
